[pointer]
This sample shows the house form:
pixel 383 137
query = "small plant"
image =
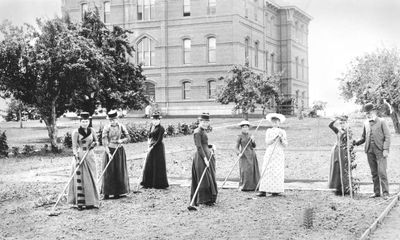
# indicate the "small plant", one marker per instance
pixel 15 151
pixel 67 140
pixel 28 149
pixel 170 131
pixel 308 217
pixel 3 145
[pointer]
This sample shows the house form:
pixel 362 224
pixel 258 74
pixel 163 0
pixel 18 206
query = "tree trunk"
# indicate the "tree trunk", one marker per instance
pixel 395 119
pixel 20 118
pixel 51 124
pixel 245 115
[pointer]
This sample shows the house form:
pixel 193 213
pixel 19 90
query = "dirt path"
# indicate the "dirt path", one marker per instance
pixel 390 228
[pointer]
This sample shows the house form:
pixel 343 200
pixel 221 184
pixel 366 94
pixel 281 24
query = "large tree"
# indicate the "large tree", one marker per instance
pixel 375 77
pixel 247 89
pixel 122 84
pixel 46 67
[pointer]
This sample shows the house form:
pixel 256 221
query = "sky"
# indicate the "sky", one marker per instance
pixel 339 31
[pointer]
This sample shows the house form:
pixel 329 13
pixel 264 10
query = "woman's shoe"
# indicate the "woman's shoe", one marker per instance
pixel 261 194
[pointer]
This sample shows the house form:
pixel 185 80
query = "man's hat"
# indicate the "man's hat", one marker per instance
pixel 112 114
pixel 205 117
pixel 244 122
pixel 368 107
pixel 156 115
pixel 271 116
pixel 84 115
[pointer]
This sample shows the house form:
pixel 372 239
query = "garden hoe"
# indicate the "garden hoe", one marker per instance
pixel 240 155
pixel 53 210
pixel 141 174
pixel 191 206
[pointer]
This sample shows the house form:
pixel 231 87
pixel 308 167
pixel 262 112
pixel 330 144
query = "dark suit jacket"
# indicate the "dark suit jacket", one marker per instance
pixel 381 134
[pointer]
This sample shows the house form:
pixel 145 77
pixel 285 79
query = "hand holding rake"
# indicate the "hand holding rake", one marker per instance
pixel 110 160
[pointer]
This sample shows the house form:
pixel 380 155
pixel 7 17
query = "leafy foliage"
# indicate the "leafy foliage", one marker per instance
pixel 67 140
pixel 247 89
pixel 374 77
pixel 3 144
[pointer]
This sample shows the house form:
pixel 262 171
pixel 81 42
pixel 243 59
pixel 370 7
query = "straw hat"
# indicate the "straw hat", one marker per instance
pixel 204 117
pixel 112 114
pixel 279 116
pixel 84 115
pixel 244 122
pixel 156 115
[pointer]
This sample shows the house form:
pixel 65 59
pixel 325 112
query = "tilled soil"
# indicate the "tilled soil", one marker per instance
pixel 163 214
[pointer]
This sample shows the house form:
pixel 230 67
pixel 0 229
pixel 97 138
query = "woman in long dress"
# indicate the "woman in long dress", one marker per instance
pixel 83 191
pixel 155 172
pixel 339 165
pixel 248 164
pixel 273 167
pixel 208 190
pixel 115 178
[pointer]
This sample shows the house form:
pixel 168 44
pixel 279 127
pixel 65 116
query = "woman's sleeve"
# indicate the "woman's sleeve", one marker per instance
pixel 253 143
pixel 160 135
pixel 75 146
pixel 94 136
pixel 284 140
pixel 197 142
pixel 104 136
pixel 269 138
pixel 125 134
pixel 332 126
pixel 237 146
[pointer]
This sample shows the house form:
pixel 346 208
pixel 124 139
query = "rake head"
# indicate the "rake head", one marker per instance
pixel 192 208
pixel 54 213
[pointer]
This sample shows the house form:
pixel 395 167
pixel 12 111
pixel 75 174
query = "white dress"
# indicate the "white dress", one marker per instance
pixel 273 165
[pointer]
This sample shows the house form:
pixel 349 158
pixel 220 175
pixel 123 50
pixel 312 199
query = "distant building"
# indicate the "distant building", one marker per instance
pixel 186 45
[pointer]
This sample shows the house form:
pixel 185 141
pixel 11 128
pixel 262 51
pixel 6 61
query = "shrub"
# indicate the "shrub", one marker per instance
pixel 15 151
pixel 170 131
pixel 67 140
pixel 28 149
pixel 3 144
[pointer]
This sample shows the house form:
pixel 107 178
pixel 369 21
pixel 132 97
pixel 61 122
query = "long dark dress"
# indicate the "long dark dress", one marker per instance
pixel 208 190
pixel 155 172
pixel 248 164
pixel 83 189
pixel 116 178
pixel 334 174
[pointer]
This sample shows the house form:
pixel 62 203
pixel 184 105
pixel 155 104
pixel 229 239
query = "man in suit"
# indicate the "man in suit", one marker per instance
pixel 376 137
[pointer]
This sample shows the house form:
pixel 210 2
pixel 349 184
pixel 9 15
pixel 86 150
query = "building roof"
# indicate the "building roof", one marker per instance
pixel 283 4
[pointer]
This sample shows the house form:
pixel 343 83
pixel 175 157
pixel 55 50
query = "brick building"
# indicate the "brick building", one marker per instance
pixel 186 45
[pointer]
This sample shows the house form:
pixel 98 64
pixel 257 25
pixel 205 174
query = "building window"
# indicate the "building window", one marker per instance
pixel 246 49
pixel 84 9
pixel 297 99
pixel 246 10
pixel 146 52
pixel 256 54
pixel 186 90
pixel 297 67
pixel 212 47
pixel 266 62
pixel 302 69
pixel 272 63
pixel 150 90
pixel 187 48
pixel 212 89
pixel 212 7
pixel 186 8
pixel 255 10
pixel 303 98
pixel 145 9
pixel 107 11
pixel 272 26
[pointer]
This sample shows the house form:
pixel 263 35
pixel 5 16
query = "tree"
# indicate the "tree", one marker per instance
pixel 122 84
pixel 375 77
pixel 46 68
pixel 247 89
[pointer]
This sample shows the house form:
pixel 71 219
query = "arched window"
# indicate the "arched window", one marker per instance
pixel 107 11
pixel 187 49
pixel 272 63
pixel 145 9
pixel 303 98
pixel 272 28
pixel 84 9
pixel 266 62
pixel 186 90
pixel 211 89
pixel 296 26
pixel 212 7
pixel 186 8
pixel 297 99
pixel 246 49
pixel 150 90
pixel 212 48
pixel 146 52
pixel 297 67
pixel 302 69
pixel 256 54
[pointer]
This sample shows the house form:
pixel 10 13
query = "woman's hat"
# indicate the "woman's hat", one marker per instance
pixel 84 115
pixel 204 116
pixel 112 114
pixel 156 115
pixel 271 116
pixel 244 122
pixel 368 107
